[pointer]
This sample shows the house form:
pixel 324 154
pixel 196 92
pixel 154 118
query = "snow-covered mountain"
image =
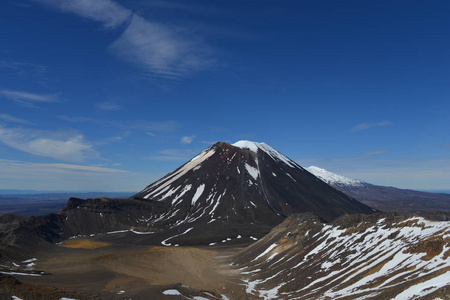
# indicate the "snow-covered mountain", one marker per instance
pixel 354 257
pixel 386 198
pixel 335 180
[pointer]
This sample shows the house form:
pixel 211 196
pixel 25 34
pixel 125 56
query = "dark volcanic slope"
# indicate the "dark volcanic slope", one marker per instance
pixel 245 187
pixel 354 257
pixel 386 198
pixel 226 192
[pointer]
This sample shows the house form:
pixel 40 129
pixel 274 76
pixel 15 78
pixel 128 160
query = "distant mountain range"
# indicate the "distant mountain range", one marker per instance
pixel 386 198
pixel 39 203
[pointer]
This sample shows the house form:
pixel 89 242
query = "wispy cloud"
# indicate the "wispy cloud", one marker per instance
pixel 375 152
pixel 162 126
pixel 174 155
pixel 141 125
pixel 108 106
pixel 208 142
pixel 171 5
pixel 365 126
pixel 68 167
pixel 23 5
pixel 28 175
pixel 10 119
pixel 163 52
pixel 27 99
pixel 160 50
pixel 107 12
pixel 24 68
pixel 66 146
pixel 187 139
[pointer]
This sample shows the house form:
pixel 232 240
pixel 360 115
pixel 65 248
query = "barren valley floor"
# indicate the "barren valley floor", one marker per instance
pixel 138 272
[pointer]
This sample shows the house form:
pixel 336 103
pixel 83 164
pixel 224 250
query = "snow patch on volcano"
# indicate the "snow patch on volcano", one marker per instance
pixel 253 146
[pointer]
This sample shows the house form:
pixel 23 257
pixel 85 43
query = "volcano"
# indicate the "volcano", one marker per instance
pixel 238 190
pixel 226 194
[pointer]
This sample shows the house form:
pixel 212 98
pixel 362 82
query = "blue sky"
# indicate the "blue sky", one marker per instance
pixel 111 95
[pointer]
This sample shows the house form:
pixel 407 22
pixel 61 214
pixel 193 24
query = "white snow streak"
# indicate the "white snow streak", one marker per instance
pixel 198 193
pixel 171 292
pixel 265 251
pixel 190 165
pixel 252 171
pixel 169 244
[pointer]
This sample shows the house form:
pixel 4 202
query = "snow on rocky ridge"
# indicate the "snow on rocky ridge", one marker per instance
pixel 356 257
pixel 334 179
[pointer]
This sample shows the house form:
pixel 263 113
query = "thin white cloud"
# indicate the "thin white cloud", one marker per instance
pixel 10 119
pixel 158 49
pixel 187 139
pixel 70 167
pixel 376 152
pixel 365 126
pixel 66 146
pixel 142 125
pixel 163 52
pixel 107 12
pixel 209 142
pixel 167 158
pixel 108 106
pixel 174 155
pixel 162 126
pixel 24 68
pixel 41 176
pixel 26 98
pixel 170 5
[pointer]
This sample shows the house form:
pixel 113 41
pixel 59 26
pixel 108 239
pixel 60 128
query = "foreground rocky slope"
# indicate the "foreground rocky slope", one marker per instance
pixel 355 257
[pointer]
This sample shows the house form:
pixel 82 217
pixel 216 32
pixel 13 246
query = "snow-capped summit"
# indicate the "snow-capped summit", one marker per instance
pixel 334 179
pixel 254 146
pixel 244 144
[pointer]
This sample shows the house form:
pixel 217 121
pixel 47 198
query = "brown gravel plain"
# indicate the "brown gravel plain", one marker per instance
pixel 112 271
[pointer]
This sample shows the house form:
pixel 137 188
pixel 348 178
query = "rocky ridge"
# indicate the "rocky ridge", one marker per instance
pixel 382 256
